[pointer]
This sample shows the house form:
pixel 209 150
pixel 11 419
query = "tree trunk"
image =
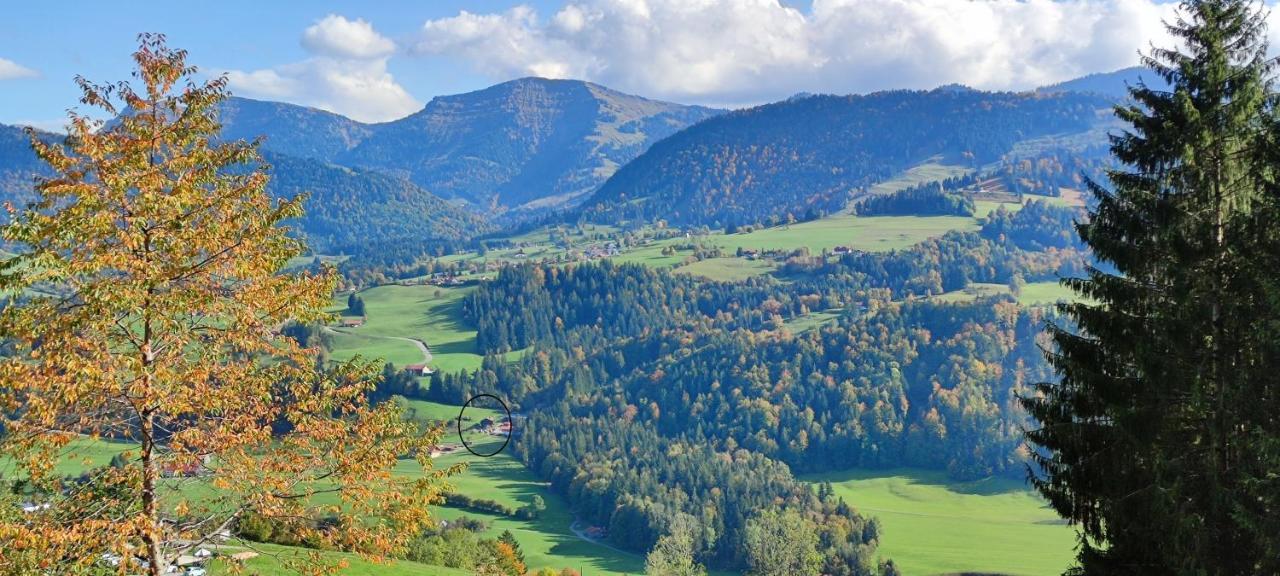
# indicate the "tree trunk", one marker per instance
pixel 152 535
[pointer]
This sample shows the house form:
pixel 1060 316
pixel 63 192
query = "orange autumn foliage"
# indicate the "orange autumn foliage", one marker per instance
pixel 159 258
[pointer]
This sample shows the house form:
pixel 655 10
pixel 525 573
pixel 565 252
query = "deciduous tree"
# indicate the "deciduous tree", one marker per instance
pixel 165 254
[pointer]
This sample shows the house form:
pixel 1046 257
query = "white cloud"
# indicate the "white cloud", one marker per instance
pixel 10 70
pixel 338 37
pixel 746 51
pixel 346 73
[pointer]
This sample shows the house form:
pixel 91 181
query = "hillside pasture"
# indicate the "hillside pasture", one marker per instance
pixel 932 171
pixel 727 268
pixel 271 561
pixel 1044 293
pixel 547 541
pixel 935 526
pixel 871 234
pixel 432 314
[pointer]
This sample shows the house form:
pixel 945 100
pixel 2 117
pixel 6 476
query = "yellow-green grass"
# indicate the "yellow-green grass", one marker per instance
pixel 934 526
pixel 984 208
pixel 1042 293
pixel 268 563
pixel 546 541
pixel 813 320
pixel 1069 198
pixel 651 254
pixel 869 233
pixel 727 268
pixel 349 343
pixel 1032 294
pixel 931 171
pixel 432 314
pixel 872 234
pixel 427 411
pixel 78 456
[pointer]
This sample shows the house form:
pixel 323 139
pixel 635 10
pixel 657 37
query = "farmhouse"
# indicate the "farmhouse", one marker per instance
pixel 418 369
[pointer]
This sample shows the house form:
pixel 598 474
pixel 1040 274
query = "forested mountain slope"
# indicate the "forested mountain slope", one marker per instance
pixel 18 165
pixel 349 207
pixel 1110 84
pixel 810 155
pixel 291 129
pixel 531 141
pixel 346 207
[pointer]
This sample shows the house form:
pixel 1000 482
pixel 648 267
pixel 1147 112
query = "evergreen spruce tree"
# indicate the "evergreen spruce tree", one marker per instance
pixel 1159 441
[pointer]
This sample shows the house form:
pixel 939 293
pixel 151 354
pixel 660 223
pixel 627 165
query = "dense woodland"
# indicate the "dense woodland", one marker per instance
pixel 931 199
pixel 352 211
pixel 811 155
pixel 653 395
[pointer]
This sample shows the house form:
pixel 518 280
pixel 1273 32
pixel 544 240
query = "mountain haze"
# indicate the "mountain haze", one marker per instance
pixel 1110 84
pixel 345 207
pixel 532 142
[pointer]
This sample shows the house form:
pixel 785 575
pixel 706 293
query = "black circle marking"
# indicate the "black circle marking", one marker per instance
pixel 509 420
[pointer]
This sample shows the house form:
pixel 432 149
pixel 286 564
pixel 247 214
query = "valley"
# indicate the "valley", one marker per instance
pixel 601 288
pixel 932 525
pixel 825 307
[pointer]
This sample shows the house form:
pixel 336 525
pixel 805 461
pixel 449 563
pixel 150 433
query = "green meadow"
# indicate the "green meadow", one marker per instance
pixel 432 314
pixel 546 541
pixel 813 320
pixel 931 171
pixel 77 456
pixel 269 563
pixel 868 233
pixel 1044 293
pixel 872 234
pixel 727 268
pixel 935 526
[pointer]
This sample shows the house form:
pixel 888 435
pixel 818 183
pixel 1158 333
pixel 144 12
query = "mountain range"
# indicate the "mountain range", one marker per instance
pixel 525 144
pixel 1110 84
pixel 467 163
pixel 802 157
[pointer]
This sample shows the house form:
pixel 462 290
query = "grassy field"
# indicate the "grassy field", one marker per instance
pixel 546 541
pixel 78 456
pixel 933 526
pixel 813 320
pixel 931 171
pixel 431 314
pixel 983 208
pixel 728 268
pixel 427 411
pixel 872 234
pixel 268 563
pixel 1033 294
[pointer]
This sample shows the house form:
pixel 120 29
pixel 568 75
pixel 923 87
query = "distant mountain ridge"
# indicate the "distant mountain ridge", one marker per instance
pixel 532 142
pixel 346 207
pixel 1111 84
pixel 801 157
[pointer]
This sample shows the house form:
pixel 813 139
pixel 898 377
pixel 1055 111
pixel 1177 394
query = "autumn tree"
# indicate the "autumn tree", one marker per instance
pixel 782 543
pixel 673 554
pixel 161 257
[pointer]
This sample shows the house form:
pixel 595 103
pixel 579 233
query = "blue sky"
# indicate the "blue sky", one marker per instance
pixel 59 40
pixel 377 61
